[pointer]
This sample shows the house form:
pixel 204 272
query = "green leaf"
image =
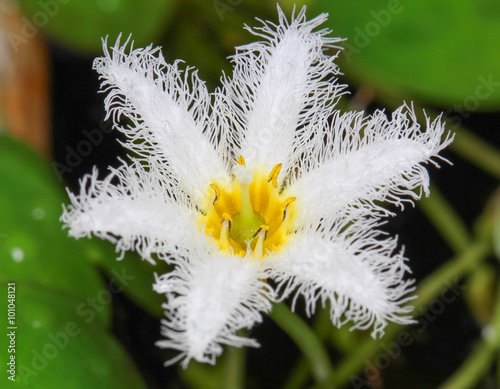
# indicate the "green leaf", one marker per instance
pixel 82 24
pixel 58 346
pixel 61 308
pixel 33 246
pixel 441 51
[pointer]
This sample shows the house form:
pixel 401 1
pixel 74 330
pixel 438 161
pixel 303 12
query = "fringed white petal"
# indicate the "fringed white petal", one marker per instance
pixel 169 110
pixel 209 298
pixel 276 109
pixel 364 160
pixel 135 210
pixel 282 89
pixel 352 268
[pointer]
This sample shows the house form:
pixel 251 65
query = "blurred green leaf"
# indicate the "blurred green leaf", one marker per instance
pixel 441 51
pixel 205 33
pixel 33 246
pixel 62 308
pixel 36 248
pixel 82 24
pixel 57 347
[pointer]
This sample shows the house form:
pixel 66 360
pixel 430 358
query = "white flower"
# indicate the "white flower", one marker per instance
pixel 261 180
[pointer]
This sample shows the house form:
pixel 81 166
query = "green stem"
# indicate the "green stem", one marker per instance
pixel 428 290
pixel 299 376
pixel 234 369
pixel 451 272
pixel 474 367
pixel 307 341
pixel 446 221
pixel 476 150
pixel 457 236
pixel 201 376
pixel 480 360
pixel 301 373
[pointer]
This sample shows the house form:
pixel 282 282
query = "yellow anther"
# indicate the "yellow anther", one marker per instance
pixel 217 192
pixel 261 232
pixel 288 201
pixel 249 216
pixel 273 176
pixel 224 234
pixel 261 237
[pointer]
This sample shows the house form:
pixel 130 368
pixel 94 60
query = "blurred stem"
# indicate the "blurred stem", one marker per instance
pixel 476 150
pixel 367 349
pixel 455 233
pixel 446 221
pixel 234 369
pixel 307 341
pixel 428 289
pixel 302 372
pixel 299 375
pixel 451 272
pixel 480 360
pixel 474 367
pixel 201 376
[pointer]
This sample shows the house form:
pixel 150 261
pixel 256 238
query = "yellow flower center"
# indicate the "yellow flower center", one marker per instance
pixel 249 213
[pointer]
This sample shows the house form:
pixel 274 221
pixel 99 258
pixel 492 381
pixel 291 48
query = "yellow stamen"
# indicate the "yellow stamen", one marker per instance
pixel 280 235
pixel 224 237
pixel 273 176
pixel 288 201
pixel 217 192
pixel 224 234
pixel 250 214
pixel 261 237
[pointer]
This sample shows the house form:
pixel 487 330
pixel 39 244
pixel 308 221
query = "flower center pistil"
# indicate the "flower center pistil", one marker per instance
pixel 250 214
